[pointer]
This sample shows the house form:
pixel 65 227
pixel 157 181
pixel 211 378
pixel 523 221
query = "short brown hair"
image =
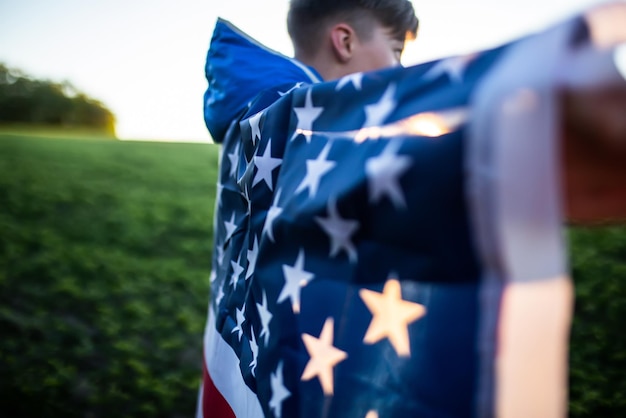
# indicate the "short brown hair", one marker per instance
pixel 307 19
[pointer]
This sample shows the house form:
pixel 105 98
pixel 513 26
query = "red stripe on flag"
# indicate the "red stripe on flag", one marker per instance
pixel 213 403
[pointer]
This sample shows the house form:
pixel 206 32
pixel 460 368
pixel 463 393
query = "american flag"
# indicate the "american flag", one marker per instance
pixel 390 244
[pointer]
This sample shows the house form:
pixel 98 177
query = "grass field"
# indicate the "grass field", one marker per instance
pixel 105 256
pixel 104 262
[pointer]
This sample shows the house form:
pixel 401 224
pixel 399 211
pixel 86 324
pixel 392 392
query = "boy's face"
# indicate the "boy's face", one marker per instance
pixel 381 50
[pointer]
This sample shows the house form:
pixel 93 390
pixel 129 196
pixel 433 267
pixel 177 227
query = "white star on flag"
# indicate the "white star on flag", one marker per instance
pixel 213 276
pixel 297 85
pixel 266 317
pixel 237 270
pixel 254 347
pixel 279 391
pixel 241 318
pixel 391 316
pixel 354 78
pixel 230 227
pixel 255 121
pixel 315 169
pixel 339 231
pixel 453 66
pixel 377 113
pixel 220 254
pixel 273 212
pixel 252 256
pixel 220 296
pixel 324 357
pixel 295 279
pixel 265 164
pixel 384 172
pixel 306 116
pixel 234 159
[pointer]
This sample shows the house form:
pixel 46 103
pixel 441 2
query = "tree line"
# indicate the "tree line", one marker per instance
pixel 26 100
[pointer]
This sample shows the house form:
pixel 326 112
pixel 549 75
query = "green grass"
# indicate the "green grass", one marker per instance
pixel 104 261
pixel 598 342
pixel 105 251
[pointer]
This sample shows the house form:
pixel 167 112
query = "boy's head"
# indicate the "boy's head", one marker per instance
pixel 339 37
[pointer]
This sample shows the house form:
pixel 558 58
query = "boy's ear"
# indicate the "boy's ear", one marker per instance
pixel 343 39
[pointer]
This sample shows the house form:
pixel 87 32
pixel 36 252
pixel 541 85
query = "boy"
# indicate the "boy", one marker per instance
pixel 300 323
pixel 332 39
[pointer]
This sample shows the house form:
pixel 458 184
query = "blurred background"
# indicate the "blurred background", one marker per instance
pixel 144 59
pixel 105 245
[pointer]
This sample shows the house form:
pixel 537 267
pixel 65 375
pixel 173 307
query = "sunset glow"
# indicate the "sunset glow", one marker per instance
pixel 145 59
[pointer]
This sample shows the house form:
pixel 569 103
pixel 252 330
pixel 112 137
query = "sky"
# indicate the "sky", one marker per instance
pixel 144 59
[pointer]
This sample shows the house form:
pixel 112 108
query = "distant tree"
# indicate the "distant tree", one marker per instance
pixel 43 102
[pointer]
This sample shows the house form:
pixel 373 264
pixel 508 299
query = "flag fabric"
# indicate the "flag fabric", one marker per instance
pixel 389 244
